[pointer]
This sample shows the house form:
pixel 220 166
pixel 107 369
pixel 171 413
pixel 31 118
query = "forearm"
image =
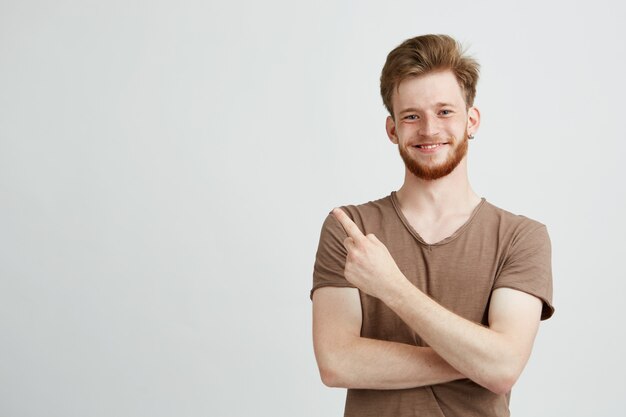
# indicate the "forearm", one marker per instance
pixel 376 364
pixel 480 353
pixel 492 357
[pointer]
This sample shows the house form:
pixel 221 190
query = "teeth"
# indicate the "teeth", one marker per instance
pixel 429 146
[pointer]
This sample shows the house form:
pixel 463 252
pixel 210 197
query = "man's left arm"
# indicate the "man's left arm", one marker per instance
pixel 492 356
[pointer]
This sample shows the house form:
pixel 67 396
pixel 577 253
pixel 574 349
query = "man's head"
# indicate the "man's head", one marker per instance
pixel 428 86
pixel 423 54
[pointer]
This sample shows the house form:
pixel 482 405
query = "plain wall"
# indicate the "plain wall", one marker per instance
pixel 165 168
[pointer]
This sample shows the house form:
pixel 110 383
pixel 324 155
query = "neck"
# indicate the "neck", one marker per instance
pixel 438 198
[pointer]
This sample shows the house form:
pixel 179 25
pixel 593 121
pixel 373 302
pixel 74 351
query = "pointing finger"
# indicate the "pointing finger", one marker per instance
pixel 348 225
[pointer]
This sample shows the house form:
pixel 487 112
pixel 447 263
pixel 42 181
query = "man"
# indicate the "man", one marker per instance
pixel 427 302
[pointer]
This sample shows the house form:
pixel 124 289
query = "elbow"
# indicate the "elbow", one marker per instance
pixel 502 382
pixel 330 377
pixel 501 386
pixel 335 363
pixel 332 371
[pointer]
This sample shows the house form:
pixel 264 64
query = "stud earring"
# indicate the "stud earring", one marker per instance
pixel 470 136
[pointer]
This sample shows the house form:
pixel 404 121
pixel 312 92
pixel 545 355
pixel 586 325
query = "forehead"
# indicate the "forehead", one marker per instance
pixel 428 90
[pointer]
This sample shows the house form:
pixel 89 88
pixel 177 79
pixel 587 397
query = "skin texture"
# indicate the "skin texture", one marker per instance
pixel 428 110
pixel 439 124
pixel 348 360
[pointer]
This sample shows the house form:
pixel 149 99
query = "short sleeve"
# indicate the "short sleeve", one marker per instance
pixel 528 267
pixel 330 259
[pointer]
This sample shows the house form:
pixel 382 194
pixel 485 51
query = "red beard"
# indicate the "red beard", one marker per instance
pixel 433 172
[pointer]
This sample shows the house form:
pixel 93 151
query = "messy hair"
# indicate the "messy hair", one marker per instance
pixel 423 54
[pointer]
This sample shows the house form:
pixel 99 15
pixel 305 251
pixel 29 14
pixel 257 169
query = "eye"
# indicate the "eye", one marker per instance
pixel 446 112
pixel 410 117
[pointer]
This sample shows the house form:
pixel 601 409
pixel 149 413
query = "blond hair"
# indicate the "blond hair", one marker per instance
pixel 423 54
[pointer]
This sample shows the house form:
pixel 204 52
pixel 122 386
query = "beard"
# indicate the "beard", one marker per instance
pixel 430 172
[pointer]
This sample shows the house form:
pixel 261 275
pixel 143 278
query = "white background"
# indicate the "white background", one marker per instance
pixel 165 168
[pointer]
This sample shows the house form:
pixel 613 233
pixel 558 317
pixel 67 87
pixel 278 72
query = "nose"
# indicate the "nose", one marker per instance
pixel 428 126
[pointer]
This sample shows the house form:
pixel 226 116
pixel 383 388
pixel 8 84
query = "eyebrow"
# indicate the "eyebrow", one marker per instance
pixel 413 109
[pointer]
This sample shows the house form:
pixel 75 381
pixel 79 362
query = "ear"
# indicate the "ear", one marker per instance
pixel 390 126
pixel 473 120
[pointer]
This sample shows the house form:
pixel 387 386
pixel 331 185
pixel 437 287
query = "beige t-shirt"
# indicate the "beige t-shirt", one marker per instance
pixel 493 249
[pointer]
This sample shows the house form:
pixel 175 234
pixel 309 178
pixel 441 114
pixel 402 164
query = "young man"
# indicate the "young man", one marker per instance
pixel 427 301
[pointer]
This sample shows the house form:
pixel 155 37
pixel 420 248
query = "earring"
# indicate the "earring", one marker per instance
pixel 470 136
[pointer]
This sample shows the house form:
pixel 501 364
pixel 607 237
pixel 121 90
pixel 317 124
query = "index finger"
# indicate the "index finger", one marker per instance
pixel 348 225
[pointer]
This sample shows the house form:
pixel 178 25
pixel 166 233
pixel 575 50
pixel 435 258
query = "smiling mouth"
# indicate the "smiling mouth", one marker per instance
pixel 430 145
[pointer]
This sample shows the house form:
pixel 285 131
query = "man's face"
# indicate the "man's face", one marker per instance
pixel 431 124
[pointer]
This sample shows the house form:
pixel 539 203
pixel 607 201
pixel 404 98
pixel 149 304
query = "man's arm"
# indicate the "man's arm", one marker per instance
pixel 347 360
pixel 491 356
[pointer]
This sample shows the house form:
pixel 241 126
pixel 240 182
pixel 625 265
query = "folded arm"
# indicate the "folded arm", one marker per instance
pixel 493 356
pixel 345 359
